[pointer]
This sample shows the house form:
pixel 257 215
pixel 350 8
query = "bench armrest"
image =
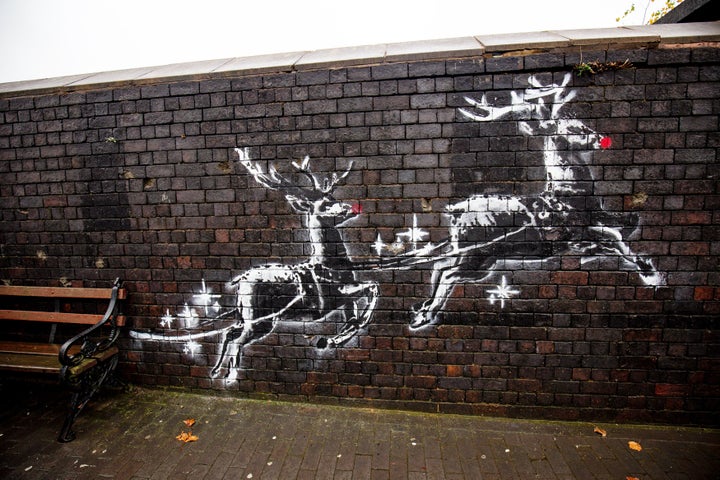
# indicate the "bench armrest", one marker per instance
pixel 88 346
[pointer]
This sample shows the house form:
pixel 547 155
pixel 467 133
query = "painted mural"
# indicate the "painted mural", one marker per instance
pixel 486 233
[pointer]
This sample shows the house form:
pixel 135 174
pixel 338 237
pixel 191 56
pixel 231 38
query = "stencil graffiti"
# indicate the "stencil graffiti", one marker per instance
pixel 323 287
pixel 486 232
pixel 565 217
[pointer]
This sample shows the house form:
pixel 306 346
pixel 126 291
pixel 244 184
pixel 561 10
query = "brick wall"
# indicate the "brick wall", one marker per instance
pixel 595 296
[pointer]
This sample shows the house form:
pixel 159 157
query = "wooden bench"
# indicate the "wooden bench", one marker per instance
pixel 86 360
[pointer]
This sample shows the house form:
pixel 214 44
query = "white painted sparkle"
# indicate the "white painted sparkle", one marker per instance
pixel 502 292
pixel 414 234
pixel 192 347
pixel 206 299
pixel 379 245
pixel 167 319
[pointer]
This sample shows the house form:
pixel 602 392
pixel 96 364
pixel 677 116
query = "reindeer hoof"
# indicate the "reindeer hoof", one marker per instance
pixel 325 343
pixel 421 318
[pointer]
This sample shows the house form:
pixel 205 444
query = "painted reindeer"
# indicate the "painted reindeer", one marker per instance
pixel 491 230
pixel 321 286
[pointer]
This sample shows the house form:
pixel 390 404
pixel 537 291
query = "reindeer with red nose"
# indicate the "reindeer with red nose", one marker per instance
pixel 322 286
pixel 487 231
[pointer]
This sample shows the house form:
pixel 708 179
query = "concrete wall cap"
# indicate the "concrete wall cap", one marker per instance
pixel 645 35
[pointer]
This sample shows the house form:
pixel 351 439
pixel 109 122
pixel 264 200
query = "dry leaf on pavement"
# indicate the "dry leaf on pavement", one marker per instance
pixel 187 437
pixel 600 431
pixel 189 422
pixel 634 446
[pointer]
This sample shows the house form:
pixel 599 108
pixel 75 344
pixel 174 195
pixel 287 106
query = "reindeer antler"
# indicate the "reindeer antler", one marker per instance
pixel 558 92
pixel 520 104
pixel 489 112
pixel 274 180
pixel 326 185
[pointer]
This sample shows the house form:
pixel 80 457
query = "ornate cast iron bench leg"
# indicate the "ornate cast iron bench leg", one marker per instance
pixel 84 387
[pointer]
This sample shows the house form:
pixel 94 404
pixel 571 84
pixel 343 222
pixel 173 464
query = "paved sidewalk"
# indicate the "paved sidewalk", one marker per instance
pixel 133 436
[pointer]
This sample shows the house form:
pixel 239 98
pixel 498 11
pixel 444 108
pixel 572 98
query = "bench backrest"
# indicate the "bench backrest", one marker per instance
pixel 67 293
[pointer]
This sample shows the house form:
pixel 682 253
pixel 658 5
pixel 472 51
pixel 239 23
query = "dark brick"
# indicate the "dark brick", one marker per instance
pixel 320 77
pixel 154 91
pixel 382 72
pixel 157 118
pixel 503 64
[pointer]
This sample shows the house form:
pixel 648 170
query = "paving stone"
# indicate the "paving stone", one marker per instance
pixel 520 41
pixel 262 63
pixel 682 32
pixel 434 49
pixel 347 56
pixel 597 36
pixel 112 76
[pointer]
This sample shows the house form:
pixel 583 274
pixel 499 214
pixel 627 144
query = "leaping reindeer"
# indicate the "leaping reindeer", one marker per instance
pixel 320 286
pixel 487 230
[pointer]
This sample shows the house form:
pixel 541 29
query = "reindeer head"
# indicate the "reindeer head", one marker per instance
pixel 538 106
pixel 315 200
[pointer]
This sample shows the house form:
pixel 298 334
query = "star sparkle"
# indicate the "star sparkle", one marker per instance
pixel 379 245
pixel 167 319
pixel 502 292
pixel 192 347
pixel 206 299
pixel 414 234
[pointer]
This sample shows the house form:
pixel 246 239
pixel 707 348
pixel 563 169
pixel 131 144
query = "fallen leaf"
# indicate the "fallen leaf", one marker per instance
pixel 187 437
pixel 600 431
pixel 189 422
pixel 635 446
pixel 632 478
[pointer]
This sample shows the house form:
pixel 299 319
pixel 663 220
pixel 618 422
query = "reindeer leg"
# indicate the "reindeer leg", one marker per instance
pixel 231 334
pixel 426 312
pixel 361 314
pixel 611 242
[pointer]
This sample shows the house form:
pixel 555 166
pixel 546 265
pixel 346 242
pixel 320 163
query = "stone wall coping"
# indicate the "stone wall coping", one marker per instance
pixel 465 47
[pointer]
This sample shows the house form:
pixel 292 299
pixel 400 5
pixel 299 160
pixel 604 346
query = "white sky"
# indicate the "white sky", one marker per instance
pixel 50 38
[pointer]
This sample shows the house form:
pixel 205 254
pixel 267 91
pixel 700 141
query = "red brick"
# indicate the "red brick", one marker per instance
pixel 671 390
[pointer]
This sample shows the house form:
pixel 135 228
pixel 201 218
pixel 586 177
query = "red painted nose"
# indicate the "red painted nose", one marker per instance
pixel 356 208
pixel 605 143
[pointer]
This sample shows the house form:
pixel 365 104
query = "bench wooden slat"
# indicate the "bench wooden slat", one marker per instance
pixel 23 362
pixel 41 363
pixel 55 317
pixel 58 292
pixel 50 349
